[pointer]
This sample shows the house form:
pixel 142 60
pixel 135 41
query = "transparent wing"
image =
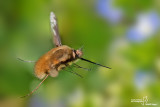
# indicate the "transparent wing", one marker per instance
pixel 54 28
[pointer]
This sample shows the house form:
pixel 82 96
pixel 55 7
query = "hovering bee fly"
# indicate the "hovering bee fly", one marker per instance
pixel 57 58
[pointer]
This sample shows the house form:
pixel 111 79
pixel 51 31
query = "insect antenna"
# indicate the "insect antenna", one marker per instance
pixel 35 88
pixel 81 48
pixel 94 63
pixel 26 60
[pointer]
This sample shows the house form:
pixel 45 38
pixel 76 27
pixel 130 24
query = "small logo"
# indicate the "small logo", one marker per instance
pixel 143 101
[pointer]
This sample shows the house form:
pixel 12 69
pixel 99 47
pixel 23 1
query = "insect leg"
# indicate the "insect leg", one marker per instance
pixel 75 65
pixel 36 87
pixel 26 60
pixel 74 72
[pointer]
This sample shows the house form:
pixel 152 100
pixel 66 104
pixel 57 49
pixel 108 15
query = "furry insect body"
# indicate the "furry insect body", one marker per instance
pixel 55 60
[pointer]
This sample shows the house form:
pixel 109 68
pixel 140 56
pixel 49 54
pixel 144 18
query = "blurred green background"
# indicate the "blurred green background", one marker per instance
pixel 121 34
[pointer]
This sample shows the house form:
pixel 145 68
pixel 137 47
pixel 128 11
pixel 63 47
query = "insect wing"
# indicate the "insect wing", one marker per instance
pixel 54 28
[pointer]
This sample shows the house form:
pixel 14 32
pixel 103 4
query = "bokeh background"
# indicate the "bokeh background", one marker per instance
pixel 121 34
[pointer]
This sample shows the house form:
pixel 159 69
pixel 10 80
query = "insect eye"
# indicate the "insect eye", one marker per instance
pixel 79 53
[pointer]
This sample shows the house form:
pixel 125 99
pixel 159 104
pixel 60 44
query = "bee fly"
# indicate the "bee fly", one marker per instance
pixel 57 58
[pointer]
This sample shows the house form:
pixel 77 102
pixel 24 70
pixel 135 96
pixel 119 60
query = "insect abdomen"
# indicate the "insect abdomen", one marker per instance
pixel 41 67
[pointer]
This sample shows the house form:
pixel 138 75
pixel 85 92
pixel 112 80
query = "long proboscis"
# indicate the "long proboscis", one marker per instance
pixel 95 63
pixel 35 88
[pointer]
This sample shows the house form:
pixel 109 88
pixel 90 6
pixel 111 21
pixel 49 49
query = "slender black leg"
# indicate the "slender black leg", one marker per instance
pixel 75 65
pixel 71 70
